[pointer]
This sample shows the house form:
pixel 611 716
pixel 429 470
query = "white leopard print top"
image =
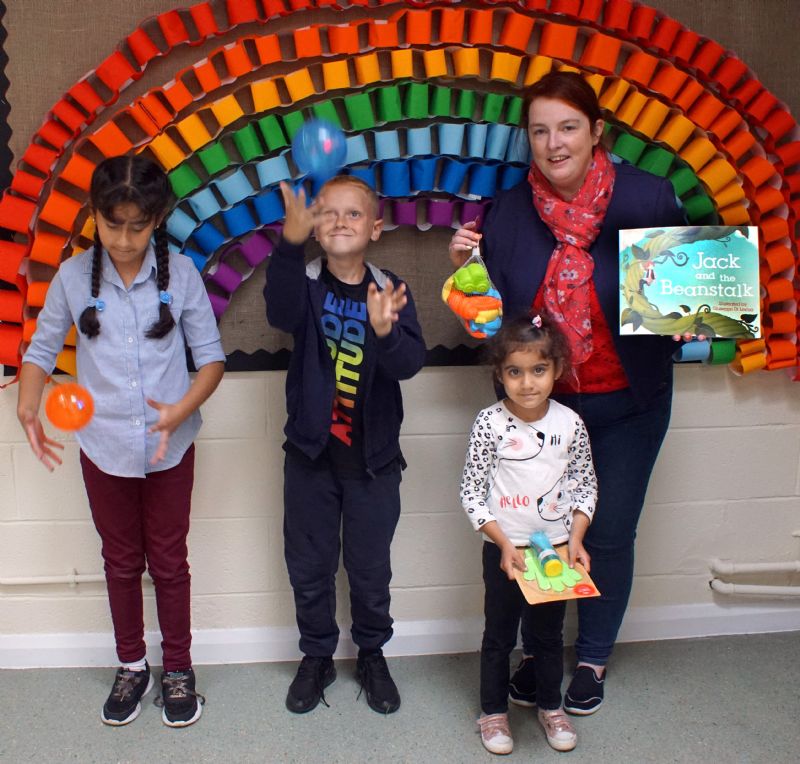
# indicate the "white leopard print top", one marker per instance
pixel 528 476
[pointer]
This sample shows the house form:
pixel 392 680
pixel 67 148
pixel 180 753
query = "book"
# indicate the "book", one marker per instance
pixel 575 584
pixel 690 279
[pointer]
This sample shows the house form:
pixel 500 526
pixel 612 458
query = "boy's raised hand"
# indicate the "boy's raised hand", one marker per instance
pixel 299 218
pixel 384 306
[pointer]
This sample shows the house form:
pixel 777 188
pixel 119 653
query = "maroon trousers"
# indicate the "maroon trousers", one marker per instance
pixel 143 522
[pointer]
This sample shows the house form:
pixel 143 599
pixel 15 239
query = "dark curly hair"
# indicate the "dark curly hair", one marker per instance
pixel 519 334
pixel 135 179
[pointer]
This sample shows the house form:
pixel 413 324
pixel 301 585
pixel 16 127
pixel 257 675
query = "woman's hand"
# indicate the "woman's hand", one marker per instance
pixel 463 242
pixel 688 337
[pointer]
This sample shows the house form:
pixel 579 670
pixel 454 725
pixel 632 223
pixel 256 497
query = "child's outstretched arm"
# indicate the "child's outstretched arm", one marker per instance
pixel 393 317
pixel 285 290
pixel 584 496
pixel 170 415
pixel 580 471
pixel 299 218
pixel 32 379
pixel 481 454
pixel 52 324
pixel 575 548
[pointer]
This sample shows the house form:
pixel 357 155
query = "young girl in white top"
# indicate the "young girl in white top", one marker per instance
pixel 137 307
pixel 528 468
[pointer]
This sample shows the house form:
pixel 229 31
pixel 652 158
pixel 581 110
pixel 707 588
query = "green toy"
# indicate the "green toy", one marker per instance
pixel 564 580
pixel 471 279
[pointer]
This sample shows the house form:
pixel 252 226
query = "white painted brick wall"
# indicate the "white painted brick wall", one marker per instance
pixel 726 485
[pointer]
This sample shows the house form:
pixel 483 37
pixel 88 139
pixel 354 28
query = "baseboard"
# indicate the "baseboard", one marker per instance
pixel 255 645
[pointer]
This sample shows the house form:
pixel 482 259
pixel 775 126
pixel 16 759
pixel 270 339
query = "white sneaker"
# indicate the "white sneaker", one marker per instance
pixel 558 728
pixel 495 733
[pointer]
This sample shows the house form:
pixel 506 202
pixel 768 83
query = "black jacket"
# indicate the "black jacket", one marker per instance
pixel 294 294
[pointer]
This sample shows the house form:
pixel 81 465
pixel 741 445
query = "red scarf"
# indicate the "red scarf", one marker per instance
pixel 575 224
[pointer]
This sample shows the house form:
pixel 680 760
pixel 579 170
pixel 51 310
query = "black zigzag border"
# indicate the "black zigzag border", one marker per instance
pixel 5 128
pixel 5 109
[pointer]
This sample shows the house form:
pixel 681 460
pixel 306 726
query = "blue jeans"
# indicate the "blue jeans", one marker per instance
pixel 625 443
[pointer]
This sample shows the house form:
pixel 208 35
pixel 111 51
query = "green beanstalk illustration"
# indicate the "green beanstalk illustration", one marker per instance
pixel 660 247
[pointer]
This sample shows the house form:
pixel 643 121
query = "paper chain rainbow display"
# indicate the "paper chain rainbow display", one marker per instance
pixel 428 95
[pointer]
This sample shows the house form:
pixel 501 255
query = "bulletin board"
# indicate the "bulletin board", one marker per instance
pixel 429 97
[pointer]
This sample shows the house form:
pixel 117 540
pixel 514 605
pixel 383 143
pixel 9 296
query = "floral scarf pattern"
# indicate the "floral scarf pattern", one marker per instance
pixel 575 225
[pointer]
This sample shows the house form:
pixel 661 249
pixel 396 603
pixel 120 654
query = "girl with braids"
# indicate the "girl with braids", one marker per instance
pixel 137 307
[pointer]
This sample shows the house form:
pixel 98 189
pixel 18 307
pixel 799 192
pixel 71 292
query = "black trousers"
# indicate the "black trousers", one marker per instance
pixel 504 603
pixel 625 444
pixel 322 514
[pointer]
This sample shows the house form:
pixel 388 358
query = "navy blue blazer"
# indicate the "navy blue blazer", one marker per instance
pixel 517 246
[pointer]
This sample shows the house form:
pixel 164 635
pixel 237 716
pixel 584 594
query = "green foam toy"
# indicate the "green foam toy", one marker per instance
pixel 564 580
pixel 471 279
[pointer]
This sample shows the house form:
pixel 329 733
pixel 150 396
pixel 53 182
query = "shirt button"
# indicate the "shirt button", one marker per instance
pixel 133 383
pixel 138 422
pixel 130 339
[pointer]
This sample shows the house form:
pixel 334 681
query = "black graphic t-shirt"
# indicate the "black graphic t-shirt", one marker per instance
pixel 345 323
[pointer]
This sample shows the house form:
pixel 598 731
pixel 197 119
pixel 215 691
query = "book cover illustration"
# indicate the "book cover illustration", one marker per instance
pixel 571 584
pixel 695 279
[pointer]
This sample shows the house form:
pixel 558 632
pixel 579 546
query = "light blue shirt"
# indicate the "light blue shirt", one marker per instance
pixel 122 368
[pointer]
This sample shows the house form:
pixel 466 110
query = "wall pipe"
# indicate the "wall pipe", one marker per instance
pixel 71 579
pixel 724 568
pixel 723 587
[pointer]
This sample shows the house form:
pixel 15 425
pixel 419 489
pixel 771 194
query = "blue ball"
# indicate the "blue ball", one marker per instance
pixel 319 149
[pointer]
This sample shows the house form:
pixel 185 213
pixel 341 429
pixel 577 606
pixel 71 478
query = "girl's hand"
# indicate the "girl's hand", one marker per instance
pixel 577 553
pixel 512 559
pixel 688 337
pixel 299 219
pixel 170 416
pixel 41 445
pixel 384 306
pixel 463 242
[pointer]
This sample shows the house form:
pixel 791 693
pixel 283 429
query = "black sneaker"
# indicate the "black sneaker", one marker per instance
pixel 308 687
pixel 522 687
pixel 181 705
pixel 585 693
pixel 373 674
pixel 122 705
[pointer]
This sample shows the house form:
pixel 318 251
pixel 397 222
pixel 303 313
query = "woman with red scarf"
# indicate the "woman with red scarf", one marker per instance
pixel 550 244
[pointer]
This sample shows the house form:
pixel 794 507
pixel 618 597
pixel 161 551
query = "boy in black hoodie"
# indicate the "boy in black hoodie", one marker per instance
pixel 355 336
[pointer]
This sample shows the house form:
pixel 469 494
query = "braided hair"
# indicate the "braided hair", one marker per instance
pixel 135 179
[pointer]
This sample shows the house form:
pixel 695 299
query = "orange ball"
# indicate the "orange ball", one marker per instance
pixel 69 406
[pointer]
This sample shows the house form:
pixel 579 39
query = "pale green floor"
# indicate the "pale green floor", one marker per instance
pixel 720 700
